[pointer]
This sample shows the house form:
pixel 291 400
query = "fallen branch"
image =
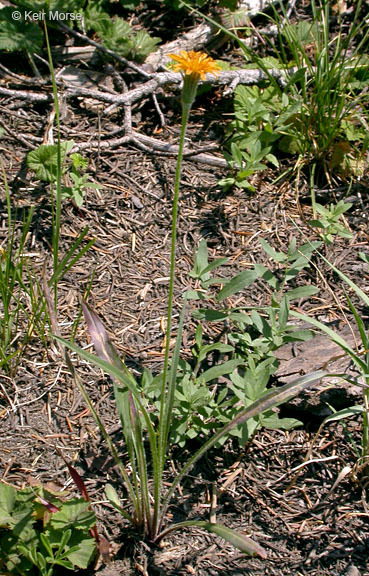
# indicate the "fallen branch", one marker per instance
pixel 160 79
pixel 149 144
pixel 35 97
pixel 230 77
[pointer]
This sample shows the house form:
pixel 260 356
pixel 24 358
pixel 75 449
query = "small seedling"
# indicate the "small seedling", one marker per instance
pixel 329 221
pixel 44 160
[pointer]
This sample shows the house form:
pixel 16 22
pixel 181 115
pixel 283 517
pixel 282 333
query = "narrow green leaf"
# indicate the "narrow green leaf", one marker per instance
pixel 284 311
pixel 210 315
pixel 238 540
pixel 46 543
pixel 65 563
pixel 214 264
pixel 218 346
pixel 220 370
pixel 238 283
pixel 302 292
pixel 279 257
pixel 201 261
pixel 359 322
pixel 334 336
pixel 198 336
pixel 344 413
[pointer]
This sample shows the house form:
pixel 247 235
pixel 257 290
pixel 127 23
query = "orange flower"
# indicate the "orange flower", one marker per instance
pixel 194 63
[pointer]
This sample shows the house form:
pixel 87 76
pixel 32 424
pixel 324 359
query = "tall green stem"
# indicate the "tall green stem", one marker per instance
pixel 56 205
pixel 163 426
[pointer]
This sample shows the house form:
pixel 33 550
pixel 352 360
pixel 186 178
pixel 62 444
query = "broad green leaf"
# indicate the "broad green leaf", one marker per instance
pixel 241 317
pixel 43 160
pixel 302 292
pixel 114 500
pixel 298 335
pixel 216 371
pixel 195 294
pixel 112 495
pixel 7 501
pixel 258 321
pixel 83 550
pixel 275 423
pixel 210 315
pixel 76 513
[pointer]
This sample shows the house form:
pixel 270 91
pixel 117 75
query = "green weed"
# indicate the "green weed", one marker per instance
pixel 39 530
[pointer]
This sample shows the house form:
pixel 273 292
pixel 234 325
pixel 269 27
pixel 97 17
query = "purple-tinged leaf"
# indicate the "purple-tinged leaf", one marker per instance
pixel 100 338
pixel 48 505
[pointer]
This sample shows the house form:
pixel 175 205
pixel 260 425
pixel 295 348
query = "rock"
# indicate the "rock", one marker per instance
pixel 321 353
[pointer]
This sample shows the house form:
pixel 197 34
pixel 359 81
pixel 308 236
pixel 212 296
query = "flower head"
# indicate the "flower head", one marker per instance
pixel 194 63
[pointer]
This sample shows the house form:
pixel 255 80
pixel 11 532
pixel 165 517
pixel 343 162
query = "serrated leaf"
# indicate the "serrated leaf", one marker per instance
pixel 76 513
pixel 235 18
pixel 43 160
pixel 142 44
pixel 19 35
